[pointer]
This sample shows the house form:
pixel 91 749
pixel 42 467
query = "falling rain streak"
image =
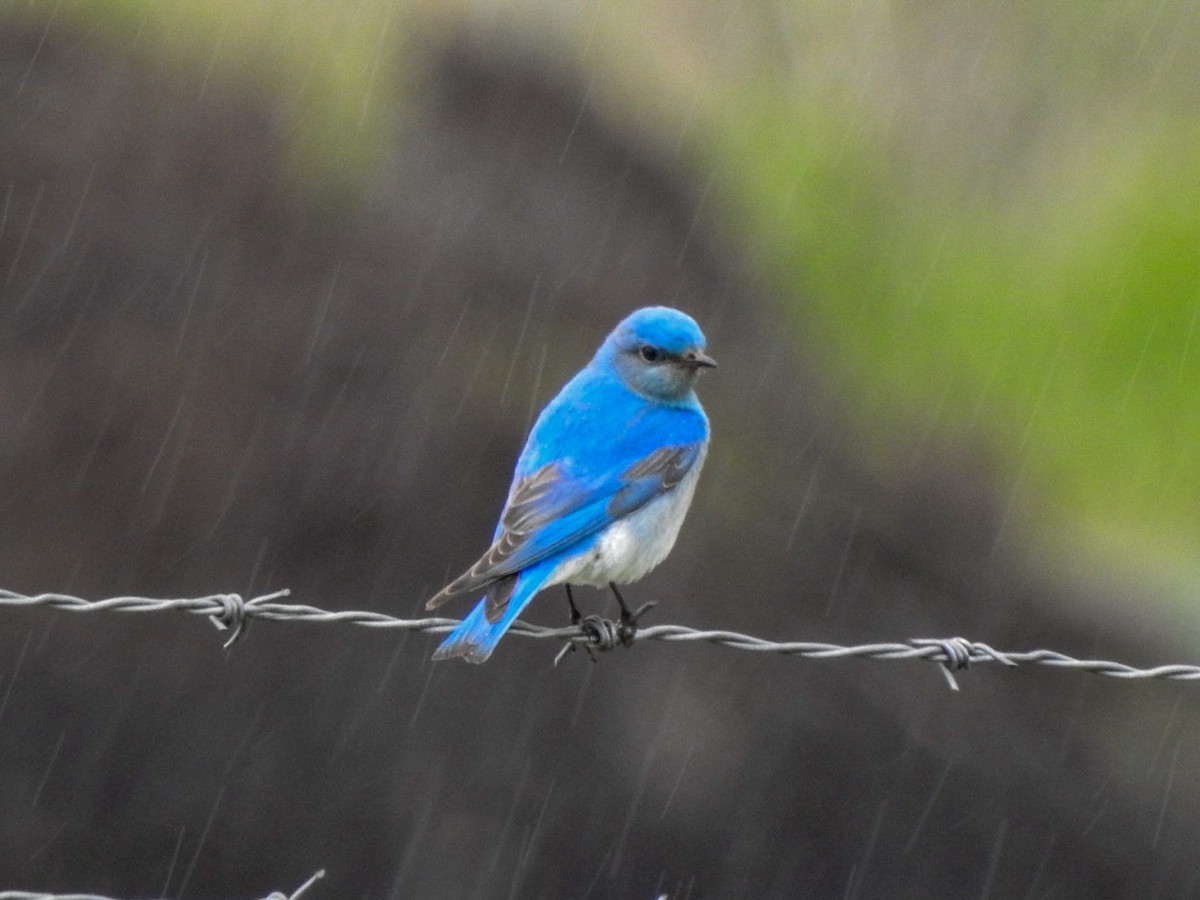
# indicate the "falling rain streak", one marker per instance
pixel 281 294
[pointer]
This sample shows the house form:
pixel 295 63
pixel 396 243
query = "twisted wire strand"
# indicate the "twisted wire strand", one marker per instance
pixel 231 612
pixel 37 895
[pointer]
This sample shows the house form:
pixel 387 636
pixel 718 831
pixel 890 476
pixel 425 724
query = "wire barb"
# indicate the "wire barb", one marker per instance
pixel 230 612
pixel 233 614
pixel 957 655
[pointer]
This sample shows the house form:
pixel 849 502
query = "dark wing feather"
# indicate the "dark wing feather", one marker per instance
pixel 527 509
pixel 656 474
pixel 498 594
pixel 547 512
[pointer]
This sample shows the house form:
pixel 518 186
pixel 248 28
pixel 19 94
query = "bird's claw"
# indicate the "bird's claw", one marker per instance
pixel 600 633
pixel 604 634
pixel 627 629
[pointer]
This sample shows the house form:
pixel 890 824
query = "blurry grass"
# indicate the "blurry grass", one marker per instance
pixel 1057 322
pixel 984 219
pixel 332 65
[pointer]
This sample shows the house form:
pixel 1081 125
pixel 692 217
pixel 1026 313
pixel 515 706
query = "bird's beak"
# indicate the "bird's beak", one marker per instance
pixel 699 360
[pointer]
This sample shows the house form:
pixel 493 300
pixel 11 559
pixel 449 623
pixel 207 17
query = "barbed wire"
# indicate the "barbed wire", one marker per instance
pixel 35 895
pixel 232 613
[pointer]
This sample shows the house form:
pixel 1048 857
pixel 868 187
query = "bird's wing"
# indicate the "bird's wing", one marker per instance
pixel 548 511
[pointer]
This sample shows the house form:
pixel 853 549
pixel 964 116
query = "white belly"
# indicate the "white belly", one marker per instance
pixel 632 546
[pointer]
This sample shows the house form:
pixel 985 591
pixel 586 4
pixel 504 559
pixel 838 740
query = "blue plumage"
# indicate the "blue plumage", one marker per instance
pixel 604 481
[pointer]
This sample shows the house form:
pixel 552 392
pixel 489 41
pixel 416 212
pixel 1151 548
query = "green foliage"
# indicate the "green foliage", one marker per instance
pixel 984 219
pixel 331 66
pixel 1056 319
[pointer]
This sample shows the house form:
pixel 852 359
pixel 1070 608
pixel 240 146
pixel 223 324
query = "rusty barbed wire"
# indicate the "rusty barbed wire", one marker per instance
pixel 233 613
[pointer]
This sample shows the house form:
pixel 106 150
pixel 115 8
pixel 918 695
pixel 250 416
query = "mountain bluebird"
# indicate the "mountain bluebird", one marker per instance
pixel 603 483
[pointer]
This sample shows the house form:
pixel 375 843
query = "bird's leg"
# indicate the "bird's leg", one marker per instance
pixel 601 633
pixel 575 616
pixel 576 619
pixel 625 614
pixel 629 620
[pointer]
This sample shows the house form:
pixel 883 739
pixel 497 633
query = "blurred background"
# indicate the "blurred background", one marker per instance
pixel 282 285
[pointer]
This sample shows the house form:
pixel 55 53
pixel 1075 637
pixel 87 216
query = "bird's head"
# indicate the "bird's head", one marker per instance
pixel 657 352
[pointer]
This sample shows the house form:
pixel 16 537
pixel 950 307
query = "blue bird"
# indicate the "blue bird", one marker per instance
pixel 604 481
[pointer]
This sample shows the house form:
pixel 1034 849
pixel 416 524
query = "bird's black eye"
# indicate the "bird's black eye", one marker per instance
pixel 649 354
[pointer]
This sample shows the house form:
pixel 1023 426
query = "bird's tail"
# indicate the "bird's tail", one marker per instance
pixel 475 637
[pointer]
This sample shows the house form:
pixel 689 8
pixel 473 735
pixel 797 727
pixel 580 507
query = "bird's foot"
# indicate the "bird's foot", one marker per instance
pixel 627 629
pixel 587 626
pixel 604 634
